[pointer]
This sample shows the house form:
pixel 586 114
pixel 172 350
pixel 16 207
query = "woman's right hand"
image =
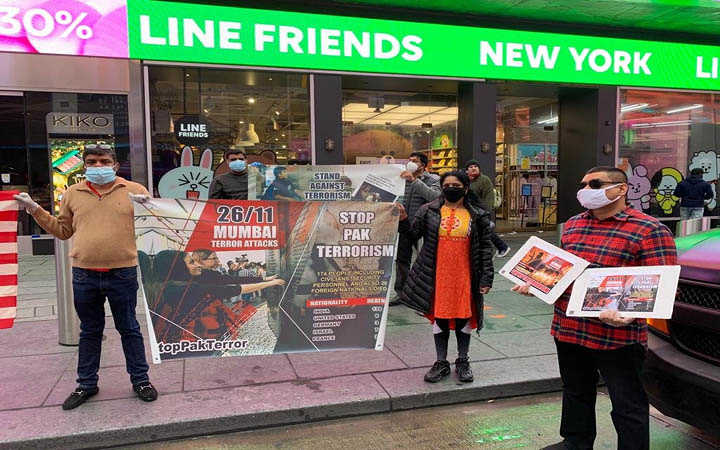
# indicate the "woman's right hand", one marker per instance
pixel 523 290
pixel 400 211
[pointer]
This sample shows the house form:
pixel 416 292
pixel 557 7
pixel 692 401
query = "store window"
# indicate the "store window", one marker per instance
pixel 526 163
pixel 265 114
pixel 385 127
pixel 662 136
pixel 57 129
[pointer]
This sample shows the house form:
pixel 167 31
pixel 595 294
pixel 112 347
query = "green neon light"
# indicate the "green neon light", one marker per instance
pixel 187 32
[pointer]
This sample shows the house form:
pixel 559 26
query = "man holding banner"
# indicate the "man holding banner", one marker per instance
pixel 99 214
pixel 421 187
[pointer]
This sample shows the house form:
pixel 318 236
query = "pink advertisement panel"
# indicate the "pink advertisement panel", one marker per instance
pixel 64 27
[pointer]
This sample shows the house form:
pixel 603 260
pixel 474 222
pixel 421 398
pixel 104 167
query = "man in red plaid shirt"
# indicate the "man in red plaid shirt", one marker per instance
pixel 608 234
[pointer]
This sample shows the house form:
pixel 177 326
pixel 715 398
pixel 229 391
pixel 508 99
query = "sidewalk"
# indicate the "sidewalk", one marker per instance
pixel 513 355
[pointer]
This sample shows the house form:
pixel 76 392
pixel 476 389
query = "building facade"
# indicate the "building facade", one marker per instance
pixel 537 103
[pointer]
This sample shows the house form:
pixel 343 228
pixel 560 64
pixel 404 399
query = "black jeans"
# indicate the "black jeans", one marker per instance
pixel 90 288
pixel 497 242
pixel 403 261
pixel 579 367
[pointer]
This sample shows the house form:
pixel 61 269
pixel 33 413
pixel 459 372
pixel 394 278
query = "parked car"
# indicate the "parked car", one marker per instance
pixel 682 371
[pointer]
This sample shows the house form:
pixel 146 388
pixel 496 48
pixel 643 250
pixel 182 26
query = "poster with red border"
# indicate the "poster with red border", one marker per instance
pixel 236 278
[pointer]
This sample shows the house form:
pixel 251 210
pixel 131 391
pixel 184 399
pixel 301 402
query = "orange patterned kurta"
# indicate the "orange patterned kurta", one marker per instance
pixel 453 293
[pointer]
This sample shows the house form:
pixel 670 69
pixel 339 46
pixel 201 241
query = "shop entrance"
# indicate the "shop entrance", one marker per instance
pixel 526 165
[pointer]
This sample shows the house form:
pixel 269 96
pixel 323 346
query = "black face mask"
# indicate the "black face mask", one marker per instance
pixel 453 193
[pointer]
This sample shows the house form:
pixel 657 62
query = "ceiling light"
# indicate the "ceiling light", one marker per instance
pixel 277 113
pixel 550 120
pixel 251 100
pixel 241 121
pixel 684 108
pixel 633 107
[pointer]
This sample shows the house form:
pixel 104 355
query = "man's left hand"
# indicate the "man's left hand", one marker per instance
pixel 407 176
pixel 614 319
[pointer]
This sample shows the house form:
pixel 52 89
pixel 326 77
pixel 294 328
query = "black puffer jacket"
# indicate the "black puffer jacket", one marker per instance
pixel 419 290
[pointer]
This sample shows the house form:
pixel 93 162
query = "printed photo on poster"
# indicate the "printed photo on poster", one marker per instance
pixel 548 270
pixel 642 292
pixel 371 182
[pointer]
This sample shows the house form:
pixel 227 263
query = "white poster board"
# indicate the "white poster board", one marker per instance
pixel 549 270
pixel 641 292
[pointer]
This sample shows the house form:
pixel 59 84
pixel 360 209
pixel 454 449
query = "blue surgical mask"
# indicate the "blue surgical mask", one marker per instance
pixel 237 165
pixel 100 175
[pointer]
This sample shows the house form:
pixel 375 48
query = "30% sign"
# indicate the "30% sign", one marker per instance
pixel 39 22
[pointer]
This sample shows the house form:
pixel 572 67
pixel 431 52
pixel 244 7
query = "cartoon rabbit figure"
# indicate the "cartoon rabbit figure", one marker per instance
pixel 188 181
pixel 639 188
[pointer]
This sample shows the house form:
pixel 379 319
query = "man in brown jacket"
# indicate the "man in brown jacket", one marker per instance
pixel 98 212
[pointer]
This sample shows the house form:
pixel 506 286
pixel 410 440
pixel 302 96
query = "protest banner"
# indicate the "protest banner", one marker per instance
pixel 369 182
pixel 646 292
pixel 234 278
pixel 548 269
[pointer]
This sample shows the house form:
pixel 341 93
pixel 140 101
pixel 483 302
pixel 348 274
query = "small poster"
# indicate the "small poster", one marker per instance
pixel 548 270
pixel 642 292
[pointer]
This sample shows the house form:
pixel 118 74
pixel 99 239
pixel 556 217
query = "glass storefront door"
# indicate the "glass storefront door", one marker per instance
pixel 526 163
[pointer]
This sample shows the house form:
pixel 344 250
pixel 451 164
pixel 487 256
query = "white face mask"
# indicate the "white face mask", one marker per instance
pixel 411 167
pixel 595 198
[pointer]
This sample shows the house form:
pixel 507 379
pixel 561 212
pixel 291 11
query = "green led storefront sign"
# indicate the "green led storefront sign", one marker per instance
pixel 170 31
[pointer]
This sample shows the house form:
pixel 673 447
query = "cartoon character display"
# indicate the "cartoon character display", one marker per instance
pixel 664 183
pixel 707 161
pixel 188 181
pixel 639 188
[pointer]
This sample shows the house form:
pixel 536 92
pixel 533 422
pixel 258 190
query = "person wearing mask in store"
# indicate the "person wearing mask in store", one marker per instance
pixel 608 234
pixel 693 192
pixel 421 187
pixel 98 214
pixel 232 185
pixel 282 188
pixel 484 190
pixel 453 270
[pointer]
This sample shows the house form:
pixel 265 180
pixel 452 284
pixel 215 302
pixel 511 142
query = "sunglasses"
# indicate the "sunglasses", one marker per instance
pixel 595 184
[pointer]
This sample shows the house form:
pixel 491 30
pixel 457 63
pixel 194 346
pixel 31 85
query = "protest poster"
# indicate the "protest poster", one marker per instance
pixel 642 292
pixel 370 182
pixel 548 270
pixel 235 278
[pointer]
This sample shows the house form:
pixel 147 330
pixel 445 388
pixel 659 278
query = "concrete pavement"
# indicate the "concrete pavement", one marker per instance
pixel 513 355
pixel 521 422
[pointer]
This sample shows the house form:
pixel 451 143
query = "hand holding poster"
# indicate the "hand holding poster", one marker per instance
pixel 642 292
pixel 548 269
pixel 231 278
pixel 373 183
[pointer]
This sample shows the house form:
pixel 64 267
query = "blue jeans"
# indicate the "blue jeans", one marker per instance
pixel 119 286
pixel 691 213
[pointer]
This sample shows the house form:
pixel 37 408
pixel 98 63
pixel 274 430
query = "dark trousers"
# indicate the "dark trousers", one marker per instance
pixel 579 368
pixel 119 286
pixel 403 261
pixel 497 242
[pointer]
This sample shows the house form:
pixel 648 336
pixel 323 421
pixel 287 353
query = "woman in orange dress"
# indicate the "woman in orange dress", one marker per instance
pixel 452 271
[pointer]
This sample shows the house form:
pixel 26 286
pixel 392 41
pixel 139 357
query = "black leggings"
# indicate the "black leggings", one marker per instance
pixel 441 339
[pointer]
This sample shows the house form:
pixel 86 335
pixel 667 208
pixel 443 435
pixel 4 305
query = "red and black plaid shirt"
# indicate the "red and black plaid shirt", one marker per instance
pixel 630 238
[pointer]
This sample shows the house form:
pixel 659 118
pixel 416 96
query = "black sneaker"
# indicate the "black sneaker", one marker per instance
pixel 462 367
pixel 438 371
pixel 78 397
pixel 146 391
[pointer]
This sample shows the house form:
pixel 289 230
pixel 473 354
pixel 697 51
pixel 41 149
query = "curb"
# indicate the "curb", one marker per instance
pixel 246 422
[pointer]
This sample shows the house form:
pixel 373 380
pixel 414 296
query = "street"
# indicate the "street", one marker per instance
pixel 523 422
